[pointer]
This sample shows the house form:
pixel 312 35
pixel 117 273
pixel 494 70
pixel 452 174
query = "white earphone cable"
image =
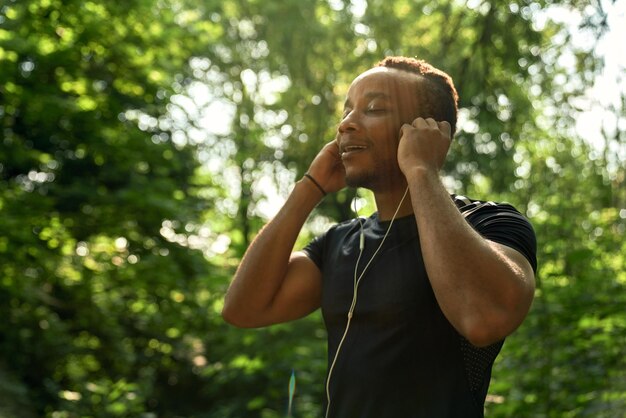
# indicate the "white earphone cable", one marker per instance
pixel 357 281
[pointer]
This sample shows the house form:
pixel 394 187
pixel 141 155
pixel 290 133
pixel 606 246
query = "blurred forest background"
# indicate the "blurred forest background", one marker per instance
pixel 143 143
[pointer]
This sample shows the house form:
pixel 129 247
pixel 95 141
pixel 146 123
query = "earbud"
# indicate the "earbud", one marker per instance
pixel 356 211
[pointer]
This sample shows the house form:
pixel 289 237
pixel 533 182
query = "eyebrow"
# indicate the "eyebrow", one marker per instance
pixel 370 96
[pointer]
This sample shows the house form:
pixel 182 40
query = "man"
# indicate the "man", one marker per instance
pixel 418 298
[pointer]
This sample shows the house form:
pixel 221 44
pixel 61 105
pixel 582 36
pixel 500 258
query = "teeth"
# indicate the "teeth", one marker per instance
pixel 353 148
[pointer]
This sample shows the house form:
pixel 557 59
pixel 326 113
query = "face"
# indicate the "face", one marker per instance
pixel 378 103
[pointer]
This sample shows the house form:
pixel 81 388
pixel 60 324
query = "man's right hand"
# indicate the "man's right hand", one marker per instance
pixel 327 168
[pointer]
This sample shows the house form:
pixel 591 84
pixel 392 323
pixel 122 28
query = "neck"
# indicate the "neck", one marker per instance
pixel 387 203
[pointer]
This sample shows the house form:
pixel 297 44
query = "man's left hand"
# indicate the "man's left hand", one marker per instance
pixel 423 144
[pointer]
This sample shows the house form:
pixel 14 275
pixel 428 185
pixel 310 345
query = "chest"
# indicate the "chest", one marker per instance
pixel 392 282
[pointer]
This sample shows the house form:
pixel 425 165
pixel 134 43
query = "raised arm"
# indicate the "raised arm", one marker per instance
pixel 485 289
pixel 272 284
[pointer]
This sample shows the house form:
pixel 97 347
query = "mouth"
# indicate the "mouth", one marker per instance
pixel 351 149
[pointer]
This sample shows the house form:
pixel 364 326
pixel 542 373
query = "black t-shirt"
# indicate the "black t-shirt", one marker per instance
pixel 401 357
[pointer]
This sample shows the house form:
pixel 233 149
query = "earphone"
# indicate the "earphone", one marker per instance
pixel 357 281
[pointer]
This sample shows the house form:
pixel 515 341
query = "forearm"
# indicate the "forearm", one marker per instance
pixel 480 289
pixel 262 271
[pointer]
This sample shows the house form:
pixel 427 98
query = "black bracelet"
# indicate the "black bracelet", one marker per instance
pixel 310 177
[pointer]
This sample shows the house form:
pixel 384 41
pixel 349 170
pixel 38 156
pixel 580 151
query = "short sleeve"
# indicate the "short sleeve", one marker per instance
pixel 315 250
pixel 502 223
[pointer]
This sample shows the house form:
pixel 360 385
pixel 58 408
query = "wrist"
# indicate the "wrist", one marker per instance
pixel 421 173
pixel 312 179
pixel 307 193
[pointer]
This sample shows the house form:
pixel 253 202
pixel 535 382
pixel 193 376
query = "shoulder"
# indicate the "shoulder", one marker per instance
pixel 467 205
pixel 475 211
pixel 341 229
pixel 333 237
pixel 501 223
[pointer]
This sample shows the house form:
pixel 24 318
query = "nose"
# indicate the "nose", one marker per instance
pixel 349 123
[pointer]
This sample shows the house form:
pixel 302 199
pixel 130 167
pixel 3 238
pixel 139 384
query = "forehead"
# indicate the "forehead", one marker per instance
pixel 391 82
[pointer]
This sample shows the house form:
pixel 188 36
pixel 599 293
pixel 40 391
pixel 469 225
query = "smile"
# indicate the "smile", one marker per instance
pixel 349 149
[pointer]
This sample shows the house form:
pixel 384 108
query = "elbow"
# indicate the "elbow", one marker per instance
pixel 493 325
pixel 482 336
pixel 485 333
pixel 229 315
pixel 235 317
pixel 484 330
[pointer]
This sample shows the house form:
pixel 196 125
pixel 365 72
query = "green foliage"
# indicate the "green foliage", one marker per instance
pixel 98 286
pixel 568 357
pixel 144 143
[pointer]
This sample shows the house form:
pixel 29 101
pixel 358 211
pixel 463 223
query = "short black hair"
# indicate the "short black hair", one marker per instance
pixel 438 96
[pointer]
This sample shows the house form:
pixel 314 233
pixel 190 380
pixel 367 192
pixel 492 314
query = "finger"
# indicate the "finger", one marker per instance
pixel 432 123
pixel 333 146
pixel 404 127
pixel 418 122
pixel 444 127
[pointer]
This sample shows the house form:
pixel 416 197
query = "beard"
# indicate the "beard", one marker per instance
pixel 382 176
pixel 365 179
pixel 374 178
